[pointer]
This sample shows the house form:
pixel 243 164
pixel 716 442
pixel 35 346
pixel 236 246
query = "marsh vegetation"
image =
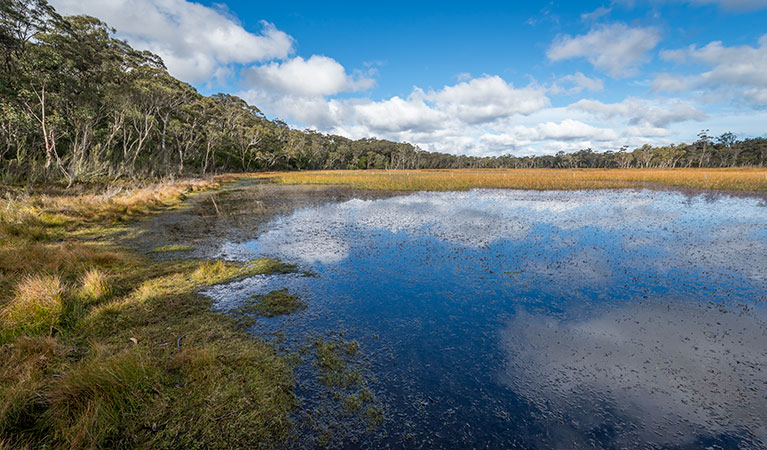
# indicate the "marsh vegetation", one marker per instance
pixel 275 303
pixel 105 347
pixel 749 180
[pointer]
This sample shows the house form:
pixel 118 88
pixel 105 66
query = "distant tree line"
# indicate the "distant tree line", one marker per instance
pixel 78 104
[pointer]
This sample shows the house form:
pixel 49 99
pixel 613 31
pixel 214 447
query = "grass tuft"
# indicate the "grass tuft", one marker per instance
pixel 98 402
pixel 23 369
pixel 102 347
pixel 170 248
pixel 35 309
pixel 95 286
pixel 276 303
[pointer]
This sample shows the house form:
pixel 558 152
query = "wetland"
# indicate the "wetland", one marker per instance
pixel 494 318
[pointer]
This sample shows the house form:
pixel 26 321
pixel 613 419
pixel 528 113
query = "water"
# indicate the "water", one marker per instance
pixel 501 319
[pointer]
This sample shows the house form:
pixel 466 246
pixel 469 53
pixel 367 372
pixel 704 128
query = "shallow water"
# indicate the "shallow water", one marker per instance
pixel 492 319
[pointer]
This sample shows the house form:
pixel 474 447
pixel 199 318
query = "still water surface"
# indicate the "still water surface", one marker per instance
pixel 500 319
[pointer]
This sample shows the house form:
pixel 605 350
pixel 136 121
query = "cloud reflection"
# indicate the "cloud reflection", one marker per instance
pixel 678 231
pixel 656 373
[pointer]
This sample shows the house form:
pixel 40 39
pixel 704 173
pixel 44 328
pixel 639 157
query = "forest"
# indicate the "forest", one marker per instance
pixel 78 104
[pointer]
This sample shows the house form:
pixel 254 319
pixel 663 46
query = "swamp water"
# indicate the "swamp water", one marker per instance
pixel 502 319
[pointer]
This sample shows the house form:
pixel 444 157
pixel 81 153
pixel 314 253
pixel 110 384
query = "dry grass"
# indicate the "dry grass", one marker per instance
pixel 94 285
pixel 749 180
pixel 35 309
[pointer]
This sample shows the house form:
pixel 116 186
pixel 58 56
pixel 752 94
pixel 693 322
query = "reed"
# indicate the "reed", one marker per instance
pixel 740 179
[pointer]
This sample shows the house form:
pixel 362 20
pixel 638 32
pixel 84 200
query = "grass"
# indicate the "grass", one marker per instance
pixel 102 347
pixel 170 248
pixel 341 367
pixel 334 362
pixel 740 179
pixel 276 303
pixel 35 309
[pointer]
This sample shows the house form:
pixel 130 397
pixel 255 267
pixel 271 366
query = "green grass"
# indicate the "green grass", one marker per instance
pixel 276 303
pixel 333 361
pixel 170 248
pixel 102 347
pixel 35 309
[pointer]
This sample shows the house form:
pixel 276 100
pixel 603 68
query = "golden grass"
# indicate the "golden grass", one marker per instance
pixel 748 179
pixel 94 285
pixel 36 308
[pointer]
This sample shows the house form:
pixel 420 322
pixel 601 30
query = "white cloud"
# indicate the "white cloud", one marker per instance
pixel 596 14
pixel 316 76
pixel 195 41
pixel 578 82
pixel 735 5
pixel 739 69
pixel 642 112
pixel 488 98
pixel 617 49
pixel 570 129
pixel 397 115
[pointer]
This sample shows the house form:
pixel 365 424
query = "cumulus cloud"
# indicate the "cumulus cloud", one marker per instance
pixel 195 41
pixel 316 76
pixel 488 98
pixel 617 49
pixel 642 112
pixel 397 114
pixel 446 119
pixel 570 129
pixel 739 68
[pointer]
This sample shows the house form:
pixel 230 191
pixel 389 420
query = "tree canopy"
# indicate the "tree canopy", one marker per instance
pixel 77 104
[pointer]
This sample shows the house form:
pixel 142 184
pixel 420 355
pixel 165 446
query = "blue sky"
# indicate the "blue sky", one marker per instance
pixel 481 78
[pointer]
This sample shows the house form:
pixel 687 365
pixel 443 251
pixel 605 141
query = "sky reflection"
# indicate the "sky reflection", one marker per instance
pixel 592 319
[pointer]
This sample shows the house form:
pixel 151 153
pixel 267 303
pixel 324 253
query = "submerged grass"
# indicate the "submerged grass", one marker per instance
pixel 102 347
pixel 740 179
pixel 276 303
pixel 170 248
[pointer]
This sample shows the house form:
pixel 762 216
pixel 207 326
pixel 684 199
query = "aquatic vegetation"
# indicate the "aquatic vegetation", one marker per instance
pixel 535 179
pixel 276 303
pixel 170 248
pixel 354 408
pixel 333 361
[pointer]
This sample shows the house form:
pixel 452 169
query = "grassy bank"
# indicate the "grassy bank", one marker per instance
pixel 103 347
pixel 742 180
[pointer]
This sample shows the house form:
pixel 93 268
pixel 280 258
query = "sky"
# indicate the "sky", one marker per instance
pixel 476 78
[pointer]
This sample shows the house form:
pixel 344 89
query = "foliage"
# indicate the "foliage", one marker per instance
pixel 77 104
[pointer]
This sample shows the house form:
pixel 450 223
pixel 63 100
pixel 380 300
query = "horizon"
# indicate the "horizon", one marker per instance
pixel 471 79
